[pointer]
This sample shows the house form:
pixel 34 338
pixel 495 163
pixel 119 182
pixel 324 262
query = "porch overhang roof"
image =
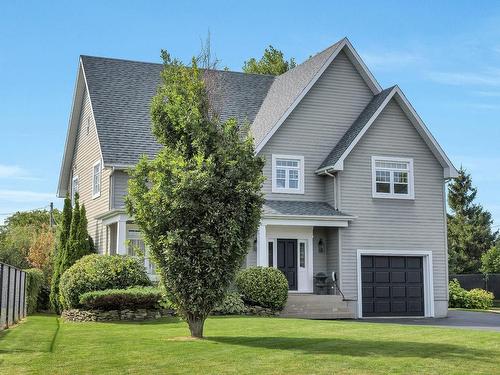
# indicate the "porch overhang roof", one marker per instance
pixel 303 213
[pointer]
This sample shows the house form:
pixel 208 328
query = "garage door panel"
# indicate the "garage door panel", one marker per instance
pixel 398 291
pixel 392 286
pixel 381 262
pixel 382 277
pixel 367 292
pixel 414 277
pixel 382 292
pixel 398 277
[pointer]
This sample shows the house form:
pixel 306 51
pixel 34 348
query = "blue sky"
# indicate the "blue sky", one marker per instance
pixel 445 57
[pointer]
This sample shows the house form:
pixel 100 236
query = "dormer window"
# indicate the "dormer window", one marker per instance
pixel 392 178
pixel 288 174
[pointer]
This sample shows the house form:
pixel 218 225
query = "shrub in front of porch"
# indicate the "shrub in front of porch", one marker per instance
pixel 263 286
pixel 100 272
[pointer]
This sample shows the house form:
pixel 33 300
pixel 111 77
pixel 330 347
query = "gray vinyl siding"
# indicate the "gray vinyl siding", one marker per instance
pixel 392 224
pixel 319 259
pixel 316 124
pixel 120 188
pixel 86 153
pixel 332 243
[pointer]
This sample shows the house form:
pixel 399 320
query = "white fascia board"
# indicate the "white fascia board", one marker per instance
pixel 69 144
pixel 449 169
pixel 357 62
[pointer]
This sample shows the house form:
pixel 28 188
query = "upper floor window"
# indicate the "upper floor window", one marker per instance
pixel 74 188
pixel 96 179
pixel 392 177
pixel 288 174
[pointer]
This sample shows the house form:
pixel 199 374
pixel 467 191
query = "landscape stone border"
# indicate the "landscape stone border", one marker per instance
pixel 77 315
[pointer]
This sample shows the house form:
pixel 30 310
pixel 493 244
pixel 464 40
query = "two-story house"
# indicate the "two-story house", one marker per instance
pixel 355 182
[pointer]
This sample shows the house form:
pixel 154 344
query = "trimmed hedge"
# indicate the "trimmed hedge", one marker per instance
pixel 469 299
pixel 99 272
pixel 263 286
pixel 120 299
pixel 34 283
pixel 232 304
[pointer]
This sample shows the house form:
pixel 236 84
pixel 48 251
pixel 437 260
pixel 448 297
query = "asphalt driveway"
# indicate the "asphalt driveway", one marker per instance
pixel 456 318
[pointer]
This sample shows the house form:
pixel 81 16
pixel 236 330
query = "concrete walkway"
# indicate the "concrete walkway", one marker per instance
pixel 456 318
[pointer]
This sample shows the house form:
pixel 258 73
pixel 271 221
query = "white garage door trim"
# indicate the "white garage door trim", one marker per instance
pixel 426 269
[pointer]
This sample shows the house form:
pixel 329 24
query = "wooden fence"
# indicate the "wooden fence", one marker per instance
pixel 12 295
pixel 490 283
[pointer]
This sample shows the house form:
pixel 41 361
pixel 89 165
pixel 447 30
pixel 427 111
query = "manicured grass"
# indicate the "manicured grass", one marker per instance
pixel 244 345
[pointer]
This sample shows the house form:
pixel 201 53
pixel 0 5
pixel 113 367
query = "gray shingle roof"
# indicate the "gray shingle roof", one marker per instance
pixel 300 208
pixel 121 92
pixel 285 89
pixel 356 127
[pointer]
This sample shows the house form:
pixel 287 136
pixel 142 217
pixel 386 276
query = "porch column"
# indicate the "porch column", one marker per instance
pixel 121 236
pixel 262 257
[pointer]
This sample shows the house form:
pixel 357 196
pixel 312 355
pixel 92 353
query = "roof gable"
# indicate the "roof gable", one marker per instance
pixel 289 88
pixel 335 160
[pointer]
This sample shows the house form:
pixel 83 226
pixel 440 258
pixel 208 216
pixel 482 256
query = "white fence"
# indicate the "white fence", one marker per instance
pixel 12 295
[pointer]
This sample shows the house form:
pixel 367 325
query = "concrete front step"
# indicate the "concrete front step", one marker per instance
pixel 311 306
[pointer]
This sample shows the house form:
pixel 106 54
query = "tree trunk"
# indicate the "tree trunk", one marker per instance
pixel 196 326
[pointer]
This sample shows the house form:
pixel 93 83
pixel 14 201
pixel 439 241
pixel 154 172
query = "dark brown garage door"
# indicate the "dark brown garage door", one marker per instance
pixel 392 286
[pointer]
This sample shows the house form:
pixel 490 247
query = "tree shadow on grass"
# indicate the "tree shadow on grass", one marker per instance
pixel 361 347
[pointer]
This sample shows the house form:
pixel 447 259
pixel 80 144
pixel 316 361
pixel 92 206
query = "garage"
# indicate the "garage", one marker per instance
pixel 392 286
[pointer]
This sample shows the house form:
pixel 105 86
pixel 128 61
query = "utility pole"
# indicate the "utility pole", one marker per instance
pixel 52 221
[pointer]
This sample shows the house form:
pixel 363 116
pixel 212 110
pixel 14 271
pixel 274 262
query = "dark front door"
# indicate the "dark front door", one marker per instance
pixel 392 286
pixel 287 261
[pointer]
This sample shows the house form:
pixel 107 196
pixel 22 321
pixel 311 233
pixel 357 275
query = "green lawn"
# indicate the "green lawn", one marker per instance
pixel 244 345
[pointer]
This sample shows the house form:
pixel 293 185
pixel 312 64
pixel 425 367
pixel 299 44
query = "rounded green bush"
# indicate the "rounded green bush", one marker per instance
pixel 232 304
pixel 119 299
pixel 263 286
pixel 469 299
pixel 99 272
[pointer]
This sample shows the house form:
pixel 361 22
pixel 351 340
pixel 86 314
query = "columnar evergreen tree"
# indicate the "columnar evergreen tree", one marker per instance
pixel 73 243
pixel 198 202
pixel 470 233
pixel 272 62
pixel 62 239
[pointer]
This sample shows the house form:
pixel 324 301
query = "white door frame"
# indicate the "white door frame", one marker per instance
pixel 427 271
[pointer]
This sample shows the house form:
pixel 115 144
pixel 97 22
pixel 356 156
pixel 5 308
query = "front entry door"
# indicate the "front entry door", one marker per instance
pixel 287 261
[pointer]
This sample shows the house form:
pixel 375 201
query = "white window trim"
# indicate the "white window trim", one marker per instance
pixel 72 192
pixel 97 194
pixel 427 270
pixel 276 189
pixel 392 195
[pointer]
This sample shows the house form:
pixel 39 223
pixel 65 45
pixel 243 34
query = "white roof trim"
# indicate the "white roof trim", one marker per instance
pixel 357 62
pixel 449 170
pixel 69 146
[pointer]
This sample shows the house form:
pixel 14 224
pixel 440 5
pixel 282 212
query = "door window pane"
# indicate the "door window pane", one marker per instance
pixel 302 255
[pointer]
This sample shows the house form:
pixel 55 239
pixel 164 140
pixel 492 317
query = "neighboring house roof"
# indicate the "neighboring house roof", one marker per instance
pixel 335 160
pixel 274 208
pixel 289 88
pixel 121 93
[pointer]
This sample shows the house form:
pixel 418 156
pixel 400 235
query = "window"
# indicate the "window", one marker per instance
pixel 392 177
pixel 74 188
pixel 302 254
pixel 270 253
pixel 288 174
pixel 96 180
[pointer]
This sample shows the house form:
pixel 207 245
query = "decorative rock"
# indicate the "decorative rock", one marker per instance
pixel 77 315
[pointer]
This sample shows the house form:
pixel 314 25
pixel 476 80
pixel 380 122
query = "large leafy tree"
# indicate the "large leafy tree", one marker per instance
pixel 198 202
pixel 470 232
pixel 272 62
